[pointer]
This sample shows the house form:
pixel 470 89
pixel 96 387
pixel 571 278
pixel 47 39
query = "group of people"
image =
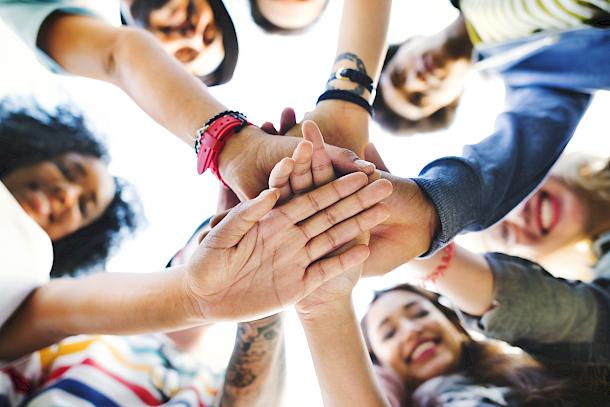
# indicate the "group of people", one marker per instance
pixel 301 220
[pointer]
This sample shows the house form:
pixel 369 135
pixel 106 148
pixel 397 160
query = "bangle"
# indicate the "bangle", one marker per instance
pixel 347 96
pixel 352 75
pixel 212 136
pixel 448 252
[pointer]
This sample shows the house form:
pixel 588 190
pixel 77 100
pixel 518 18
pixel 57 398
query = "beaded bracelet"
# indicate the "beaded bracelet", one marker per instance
pixel 447 255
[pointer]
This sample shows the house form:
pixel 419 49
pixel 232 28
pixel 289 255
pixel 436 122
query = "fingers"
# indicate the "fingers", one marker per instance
pixel 345 231
pixel 280 177
pixel 371 154
pixel 288 120
pixel 301 178
pixel 321 165
pixel 346 208
pixel 241 219
pixel 302 207
pixel 326 269
pixel 346 161
pixel 226 199
pixel 219 217
pixel 269 128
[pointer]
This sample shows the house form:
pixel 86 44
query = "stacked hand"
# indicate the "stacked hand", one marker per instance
pixel 259 259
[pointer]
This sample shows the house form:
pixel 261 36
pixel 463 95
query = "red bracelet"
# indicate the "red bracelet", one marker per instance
pixel 212 137
pixel 448 252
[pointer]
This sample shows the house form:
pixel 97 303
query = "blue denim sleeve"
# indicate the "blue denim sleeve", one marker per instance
pixel 476 190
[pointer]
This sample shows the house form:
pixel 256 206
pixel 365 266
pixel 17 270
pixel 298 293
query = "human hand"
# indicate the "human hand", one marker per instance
pixel 258 260
pixel 342 123
pixel 311 166
pixel 410 228
pixel 249 156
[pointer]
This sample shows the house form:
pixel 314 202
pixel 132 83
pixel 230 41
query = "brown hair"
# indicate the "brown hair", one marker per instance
pixel 487 362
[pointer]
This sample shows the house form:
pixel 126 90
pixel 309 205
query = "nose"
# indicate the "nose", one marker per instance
pixel 65 196
pixel 409 329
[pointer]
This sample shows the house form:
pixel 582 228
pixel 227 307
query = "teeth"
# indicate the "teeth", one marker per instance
pixel 546 214
pixel 421 348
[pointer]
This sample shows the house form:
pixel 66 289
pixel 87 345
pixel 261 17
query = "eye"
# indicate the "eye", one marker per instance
pixel 389 334
pixel 397 77
pixel 64 171
pixel 421 313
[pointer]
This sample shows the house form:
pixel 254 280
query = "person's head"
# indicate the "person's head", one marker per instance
pixel 421 82
pixel 408 331
pixel 199 33
pixel 411 333
pixel 286 16
pixel 57 171
pixel 571 205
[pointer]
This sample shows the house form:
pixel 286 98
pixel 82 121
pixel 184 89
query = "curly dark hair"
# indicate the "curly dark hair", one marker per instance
pixel 31 135
pixel 270 28
pixel 395 123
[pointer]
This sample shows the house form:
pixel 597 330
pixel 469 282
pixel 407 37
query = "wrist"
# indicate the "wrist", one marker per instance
pixel 324 312
pixel 232 159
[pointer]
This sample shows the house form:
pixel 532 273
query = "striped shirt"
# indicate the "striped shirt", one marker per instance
pixel 142 370
pixel 490 21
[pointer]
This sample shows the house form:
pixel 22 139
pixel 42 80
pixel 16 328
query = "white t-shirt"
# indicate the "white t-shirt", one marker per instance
pixel 26 255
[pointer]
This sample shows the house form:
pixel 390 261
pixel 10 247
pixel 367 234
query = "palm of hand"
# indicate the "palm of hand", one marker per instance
pixel 271 270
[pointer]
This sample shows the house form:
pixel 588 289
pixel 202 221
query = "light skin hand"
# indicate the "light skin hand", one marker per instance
pixel 258 260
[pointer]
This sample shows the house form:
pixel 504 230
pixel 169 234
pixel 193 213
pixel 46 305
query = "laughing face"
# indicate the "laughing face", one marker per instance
pixel 409 335
pixel 425 75
pixel 187 30
pixel 552 218
pixel 64 194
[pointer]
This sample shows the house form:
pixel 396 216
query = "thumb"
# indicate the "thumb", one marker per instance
pixel 371 154
pixel 241 219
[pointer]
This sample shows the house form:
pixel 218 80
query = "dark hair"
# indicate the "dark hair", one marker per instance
pixel 487 363
pixel 140 14
pixel 271 28
pixel 31 135
pixel 395 123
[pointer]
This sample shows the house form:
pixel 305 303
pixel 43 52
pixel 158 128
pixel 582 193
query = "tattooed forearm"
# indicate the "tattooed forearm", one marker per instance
pixel 353 62
pixel 255 374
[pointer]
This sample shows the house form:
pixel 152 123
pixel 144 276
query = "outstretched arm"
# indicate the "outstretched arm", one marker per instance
pixel 361 47
pixel 256 373
pixel 558 321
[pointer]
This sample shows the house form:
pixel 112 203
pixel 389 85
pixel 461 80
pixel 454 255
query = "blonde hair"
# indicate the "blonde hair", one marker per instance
pixel 589 176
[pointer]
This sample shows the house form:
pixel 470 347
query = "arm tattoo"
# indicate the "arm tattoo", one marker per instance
pixel 359 66
pixel 256 370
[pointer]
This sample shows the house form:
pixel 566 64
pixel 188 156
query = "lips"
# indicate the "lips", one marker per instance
pixel 423 350
pixel 548 211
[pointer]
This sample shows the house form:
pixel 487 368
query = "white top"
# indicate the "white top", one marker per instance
pixel 26 255
pixel 25 17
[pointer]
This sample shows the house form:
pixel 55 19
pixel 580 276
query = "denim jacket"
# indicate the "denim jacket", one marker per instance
pixel 548 90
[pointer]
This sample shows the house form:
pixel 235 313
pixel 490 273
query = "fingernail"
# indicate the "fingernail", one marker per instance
pixel 364 164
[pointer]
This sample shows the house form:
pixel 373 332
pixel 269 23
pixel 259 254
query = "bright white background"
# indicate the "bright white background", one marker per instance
pixel 273 72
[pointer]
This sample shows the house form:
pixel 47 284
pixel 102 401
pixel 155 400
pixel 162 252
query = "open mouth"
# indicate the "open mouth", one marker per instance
pixel 548 212
pixel 423 350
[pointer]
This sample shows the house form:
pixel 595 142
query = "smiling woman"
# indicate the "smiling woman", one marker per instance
pixel 427 358
pixel 57 171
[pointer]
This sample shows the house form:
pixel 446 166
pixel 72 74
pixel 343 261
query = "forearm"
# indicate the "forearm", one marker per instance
pixel 467 281
pixel 106 303
pixel 361 47
pixel 344 369
pixel 256 373
pixel 133 60
pixel 476 190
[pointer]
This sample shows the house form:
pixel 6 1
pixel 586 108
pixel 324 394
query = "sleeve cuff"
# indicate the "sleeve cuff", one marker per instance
pixel 454 189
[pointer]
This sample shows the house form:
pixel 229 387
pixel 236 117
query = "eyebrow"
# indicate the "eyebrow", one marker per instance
pixel 407 306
